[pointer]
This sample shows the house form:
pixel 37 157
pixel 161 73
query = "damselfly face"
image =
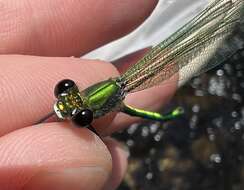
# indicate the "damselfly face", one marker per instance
pixel 70 103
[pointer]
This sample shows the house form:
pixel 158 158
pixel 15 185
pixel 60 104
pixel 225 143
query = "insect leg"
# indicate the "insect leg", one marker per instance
pixel 91 128
pixel 46 117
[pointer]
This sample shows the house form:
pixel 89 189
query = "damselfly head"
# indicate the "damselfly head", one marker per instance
pixel 70 104
pixel 83 117
pixel 63 86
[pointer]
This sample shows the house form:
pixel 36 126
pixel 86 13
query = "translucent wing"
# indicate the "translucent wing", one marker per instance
pixel 189 49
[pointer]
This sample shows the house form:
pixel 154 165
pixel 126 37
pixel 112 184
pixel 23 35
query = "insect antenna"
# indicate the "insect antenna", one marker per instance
pixel 46 117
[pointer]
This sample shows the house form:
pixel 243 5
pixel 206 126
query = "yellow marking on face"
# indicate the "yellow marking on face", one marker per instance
pixel 60 106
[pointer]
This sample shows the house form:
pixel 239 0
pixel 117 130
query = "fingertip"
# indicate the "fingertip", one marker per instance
pixel 120 154
pixel 52 151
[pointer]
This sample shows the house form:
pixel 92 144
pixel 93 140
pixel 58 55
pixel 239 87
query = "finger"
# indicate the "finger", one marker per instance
pixel 53 156
pixel 65 28
pixel 119 157
pixel 27 83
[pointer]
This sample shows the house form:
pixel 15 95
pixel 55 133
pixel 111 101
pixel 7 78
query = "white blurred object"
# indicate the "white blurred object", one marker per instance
pixel 168 16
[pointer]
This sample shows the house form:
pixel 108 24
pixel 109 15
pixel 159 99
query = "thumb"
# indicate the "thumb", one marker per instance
pixel 53 156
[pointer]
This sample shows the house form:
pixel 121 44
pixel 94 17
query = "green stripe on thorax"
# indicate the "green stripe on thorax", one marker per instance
pixel 103 97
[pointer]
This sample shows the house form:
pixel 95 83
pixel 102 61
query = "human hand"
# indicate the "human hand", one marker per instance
pixel 56 155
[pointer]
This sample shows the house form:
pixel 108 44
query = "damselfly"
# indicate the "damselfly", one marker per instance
pixel 195 48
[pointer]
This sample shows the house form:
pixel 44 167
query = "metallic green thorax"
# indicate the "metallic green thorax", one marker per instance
pixel 104 97
pixel 101 98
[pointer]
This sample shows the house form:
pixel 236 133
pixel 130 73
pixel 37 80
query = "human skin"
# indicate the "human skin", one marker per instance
pixel 44 34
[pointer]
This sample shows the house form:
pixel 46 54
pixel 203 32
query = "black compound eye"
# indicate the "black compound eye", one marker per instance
pixel 83 118
pixel 62 86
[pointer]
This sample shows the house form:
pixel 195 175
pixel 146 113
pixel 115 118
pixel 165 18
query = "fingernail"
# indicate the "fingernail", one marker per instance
pixel 88 178
pixel 119 145
pixel 123 63
pixel 125 148
pixel 135 55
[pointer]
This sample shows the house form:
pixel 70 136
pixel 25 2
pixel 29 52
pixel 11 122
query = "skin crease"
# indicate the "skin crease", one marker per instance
pixel 56 155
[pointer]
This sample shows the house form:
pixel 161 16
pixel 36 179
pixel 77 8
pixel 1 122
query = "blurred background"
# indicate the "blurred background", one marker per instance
pixel 204 149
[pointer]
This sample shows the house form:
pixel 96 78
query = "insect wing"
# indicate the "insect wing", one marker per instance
pixel 190 50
